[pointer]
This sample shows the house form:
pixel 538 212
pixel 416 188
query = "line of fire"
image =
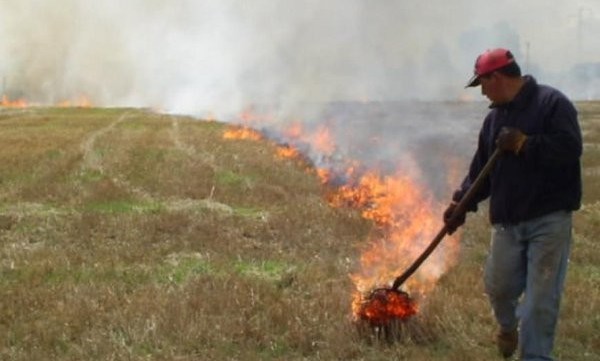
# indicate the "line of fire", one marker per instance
pixel 401 210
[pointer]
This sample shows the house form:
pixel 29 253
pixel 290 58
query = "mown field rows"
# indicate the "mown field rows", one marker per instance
pixel 131 235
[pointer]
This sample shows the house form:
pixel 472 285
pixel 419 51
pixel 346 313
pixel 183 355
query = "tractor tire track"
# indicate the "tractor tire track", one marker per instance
pixel 207 203
pixel 93 161
pixel 188 149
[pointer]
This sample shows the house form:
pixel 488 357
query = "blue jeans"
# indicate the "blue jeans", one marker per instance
pixel 529 259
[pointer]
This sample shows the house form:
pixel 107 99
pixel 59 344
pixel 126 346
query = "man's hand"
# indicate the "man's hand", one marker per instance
pixel 453 221
pixel 511 140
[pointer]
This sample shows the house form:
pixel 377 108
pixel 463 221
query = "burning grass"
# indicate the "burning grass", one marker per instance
pixel 385 305
pixel 131 235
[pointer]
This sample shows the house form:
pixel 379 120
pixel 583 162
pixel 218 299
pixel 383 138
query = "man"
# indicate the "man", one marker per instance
pixel 533 188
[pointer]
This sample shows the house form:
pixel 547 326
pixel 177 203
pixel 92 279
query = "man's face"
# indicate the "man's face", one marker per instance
pixel 490 87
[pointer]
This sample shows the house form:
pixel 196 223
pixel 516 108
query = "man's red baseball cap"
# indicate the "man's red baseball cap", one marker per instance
pixel 488 62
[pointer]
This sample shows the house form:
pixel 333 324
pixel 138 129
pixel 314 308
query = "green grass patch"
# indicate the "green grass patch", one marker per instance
pixel 90 175
pixel 229 178
pixel 16 177
pixel 171 271
pixel 53 154
pixel 22 208
pixel 133 125
pixel 269 270
pixel 124 206
pixel 54 276
pixel 249 212
pixel 89 275
pixel 151 155
pixel 179 270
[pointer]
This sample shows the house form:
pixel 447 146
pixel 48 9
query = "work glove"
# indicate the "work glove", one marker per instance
pixel 451 220
pixel 510 140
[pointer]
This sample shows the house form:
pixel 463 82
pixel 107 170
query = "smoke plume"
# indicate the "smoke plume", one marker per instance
pixel 219 56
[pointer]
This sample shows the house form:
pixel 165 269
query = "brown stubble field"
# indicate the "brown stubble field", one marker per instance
pixel 131 235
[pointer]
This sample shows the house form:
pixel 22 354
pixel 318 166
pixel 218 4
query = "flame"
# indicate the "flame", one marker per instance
pixel 294 131
pixel 405 223
pixel 382 305
pixel 285 151
pixel 324 174
pixel 404 214
pixel 242 133
pixel 19 103
pixel 80 102
pixel 406 219
pixel 320 139
pixel 323 141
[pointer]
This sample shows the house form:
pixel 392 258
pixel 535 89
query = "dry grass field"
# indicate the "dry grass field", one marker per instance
pixel 131 235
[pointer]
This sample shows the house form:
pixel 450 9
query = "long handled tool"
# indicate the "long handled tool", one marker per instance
pixel 460 209
pixel 383 307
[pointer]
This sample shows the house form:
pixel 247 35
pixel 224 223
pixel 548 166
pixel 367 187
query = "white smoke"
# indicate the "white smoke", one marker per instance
pixel 220 55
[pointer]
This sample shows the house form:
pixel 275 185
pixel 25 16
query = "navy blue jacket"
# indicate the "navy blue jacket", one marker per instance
pixel 546 175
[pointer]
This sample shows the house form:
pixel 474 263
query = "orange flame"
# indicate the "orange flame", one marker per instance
pixel 406 219
pixel 287 152
pixel 406 223
pixel 19 103
pixel 81 102
pixel 294 131
pixel 242 133
pixel 323 141
pixel 383 305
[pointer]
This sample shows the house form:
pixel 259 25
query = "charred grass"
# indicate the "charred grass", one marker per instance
pixel 130 235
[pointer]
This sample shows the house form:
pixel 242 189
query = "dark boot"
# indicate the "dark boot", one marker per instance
pixel 507 342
